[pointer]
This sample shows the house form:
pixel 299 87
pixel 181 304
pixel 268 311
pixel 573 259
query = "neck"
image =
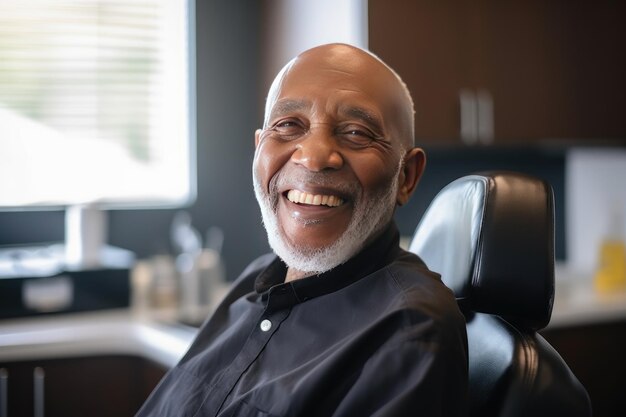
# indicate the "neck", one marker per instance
pixel 293 274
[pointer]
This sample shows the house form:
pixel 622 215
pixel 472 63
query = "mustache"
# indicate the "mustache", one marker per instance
pixel 326 179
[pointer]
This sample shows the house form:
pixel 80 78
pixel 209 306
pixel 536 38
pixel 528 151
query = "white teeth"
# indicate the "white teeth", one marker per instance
pixel 297 196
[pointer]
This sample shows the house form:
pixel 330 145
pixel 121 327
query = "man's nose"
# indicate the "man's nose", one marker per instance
pixel 318 151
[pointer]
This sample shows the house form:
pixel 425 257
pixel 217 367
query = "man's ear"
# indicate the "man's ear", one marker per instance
pixel 257 137
pixel 412 170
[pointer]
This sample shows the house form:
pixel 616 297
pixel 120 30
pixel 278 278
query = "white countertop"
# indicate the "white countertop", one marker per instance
pixel 578 303
pixel 156 336
pixel 116 332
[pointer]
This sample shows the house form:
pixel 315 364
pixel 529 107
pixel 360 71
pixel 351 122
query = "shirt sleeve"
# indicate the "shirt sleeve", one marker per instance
pixel 412 377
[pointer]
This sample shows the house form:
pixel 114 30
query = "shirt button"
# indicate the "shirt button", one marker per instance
pixel 266 325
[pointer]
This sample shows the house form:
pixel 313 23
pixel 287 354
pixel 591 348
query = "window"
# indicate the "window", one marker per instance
pixel 96 103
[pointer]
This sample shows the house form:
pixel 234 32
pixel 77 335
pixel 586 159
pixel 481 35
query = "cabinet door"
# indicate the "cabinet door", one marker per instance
pixel 431 44
pixel 595 353
pixel 78 387
pixel 554 69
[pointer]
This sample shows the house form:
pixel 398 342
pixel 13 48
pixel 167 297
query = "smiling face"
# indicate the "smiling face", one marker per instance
pixel 331 162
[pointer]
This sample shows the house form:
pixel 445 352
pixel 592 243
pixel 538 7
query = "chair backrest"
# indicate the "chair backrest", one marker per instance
pixel 491 237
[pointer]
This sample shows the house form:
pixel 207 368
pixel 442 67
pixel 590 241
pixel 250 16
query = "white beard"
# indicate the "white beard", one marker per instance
pixel 369 217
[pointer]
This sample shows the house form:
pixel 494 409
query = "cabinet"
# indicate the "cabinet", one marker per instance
pixel 89 386
pixel 552 69
pixel 596 355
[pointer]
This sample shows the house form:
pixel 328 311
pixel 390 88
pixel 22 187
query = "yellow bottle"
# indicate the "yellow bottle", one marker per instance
pixel 611 273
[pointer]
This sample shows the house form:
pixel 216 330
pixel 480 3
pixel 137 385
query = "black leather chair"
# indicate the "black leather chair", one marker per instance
pixel 491 237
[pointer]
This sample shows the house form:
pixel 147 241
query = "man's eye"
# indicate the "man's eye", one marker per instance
pixel 286 124
pixel 357 132
pixel 288 128
pixel 357 136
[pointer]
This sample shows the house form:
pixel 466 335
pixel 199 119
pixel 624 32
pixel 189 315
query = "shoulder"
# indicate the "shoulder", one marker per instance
pixel 419 295
pixel 411 276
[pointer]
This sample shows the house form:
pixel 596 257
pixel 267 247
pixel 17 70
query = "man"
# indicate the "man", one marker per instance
pixel 340 321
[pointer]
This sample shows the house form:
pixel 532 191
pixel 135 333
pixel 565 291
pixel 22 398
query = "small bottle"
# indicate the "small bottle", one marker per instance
pixel 611 273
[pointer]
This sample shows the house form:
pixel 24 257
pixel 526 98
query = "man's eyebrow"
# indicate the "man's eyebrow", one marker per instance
pixel 363 114
pixel 288 106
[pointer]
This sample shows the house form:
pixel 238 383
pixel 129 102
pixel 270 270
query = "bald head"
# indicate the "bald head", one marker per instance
pixel 363 70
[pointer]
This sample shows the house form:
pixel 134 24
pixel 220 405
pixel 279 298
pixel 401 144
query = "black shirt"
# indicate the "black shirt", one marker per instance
pixel 377 336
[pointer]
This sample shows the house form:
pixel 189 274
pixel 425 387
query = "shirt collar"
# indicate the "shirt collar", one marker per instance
pixel 371 258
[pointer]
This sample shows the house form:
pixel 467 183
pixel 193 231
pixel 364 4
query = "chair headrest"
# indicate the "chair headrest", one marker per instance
pixel 491 237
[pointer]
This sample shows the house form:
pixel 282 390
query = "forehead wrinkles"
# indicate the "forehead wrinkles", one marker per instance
pixel 340 109
pixel 364 68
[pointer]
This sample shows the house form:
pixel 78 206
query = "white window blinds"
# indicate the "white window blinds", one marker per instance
pixel 95 102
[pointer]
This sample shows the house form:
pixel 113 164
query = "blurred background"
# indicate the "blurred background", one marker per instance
pixel 139 118
pixel 497 85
